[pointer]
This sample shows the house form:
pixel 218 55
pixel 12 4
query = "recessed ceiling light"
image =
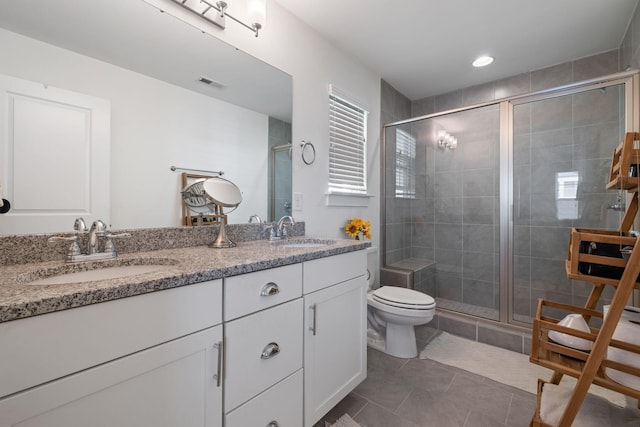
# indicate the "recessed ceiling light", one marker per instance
pixel 481 61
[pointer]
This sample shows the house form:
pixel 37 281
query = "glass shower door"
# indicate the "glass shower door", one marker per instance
pixel 281 182
pixel 562 147
pixel 442 207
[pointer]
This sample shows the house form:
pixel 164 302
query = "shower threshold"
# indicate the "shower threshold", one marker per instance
pixel 470 309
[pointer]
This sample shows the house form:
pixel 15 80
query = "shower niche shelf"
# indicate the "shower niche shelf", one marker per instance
pixel 594 256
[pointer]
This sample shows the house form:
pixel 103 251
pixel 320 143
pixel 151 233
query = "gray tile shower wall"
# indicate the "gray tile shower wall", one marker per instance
pixel 453 219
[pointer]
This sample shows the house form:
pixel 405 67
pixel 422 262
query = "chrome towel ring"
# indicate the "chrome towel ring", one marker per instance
pixel 308 158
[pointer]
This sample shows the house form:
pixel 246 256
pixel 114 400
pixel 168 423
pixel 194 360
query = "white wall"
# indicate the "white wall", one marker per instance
pixel 290 45
pixel 153 125
pixel 286 43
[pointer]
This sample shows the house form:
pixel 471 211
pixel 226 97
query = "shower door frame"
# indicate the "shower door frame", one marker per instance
pixel 274 151
pixel 631 82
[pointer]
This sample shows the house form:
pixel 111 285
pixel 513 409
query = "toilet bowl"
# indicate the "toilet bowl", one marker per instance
pixel 393 313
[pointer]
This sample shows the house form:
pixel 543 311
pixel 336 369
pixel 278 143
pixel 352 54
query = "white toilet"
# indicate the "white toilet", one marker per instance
pixel 392 313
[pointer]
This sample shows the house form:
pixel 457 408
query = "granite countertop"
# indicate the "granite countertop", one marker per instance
pixel 183 266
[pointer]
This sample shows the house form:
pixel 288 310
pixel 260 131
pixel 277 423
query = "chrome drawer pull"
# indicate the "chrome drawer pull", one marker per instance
pixel 314 328
pixel 270 289
pixel 273 424
pixel 271 349
pixel 218 375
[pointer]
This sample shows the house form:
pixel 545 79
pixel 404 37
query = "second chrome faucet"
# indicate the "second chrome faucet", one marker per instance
pixel 279 229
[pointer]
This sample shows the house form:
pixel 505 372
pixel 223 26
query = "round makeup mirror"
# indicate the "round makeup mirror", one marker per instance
pixel 223 194
pixel 210 196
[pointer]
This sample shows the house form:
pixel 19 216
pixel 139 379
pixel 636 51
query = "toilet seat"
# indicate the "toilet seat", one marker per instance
pixel 403 298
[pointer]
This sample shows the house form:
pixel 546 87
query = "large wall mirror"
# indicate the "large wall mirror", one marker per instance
pixel 177 96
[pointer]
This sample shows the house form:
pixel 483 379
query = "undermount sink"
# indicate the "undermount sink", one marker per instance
pixel 307 243
pixel 92 272
pixel 101 274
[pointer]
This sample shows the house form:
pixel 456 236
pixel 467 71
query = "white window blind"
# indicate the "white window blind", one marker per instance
pixel 347 146
pixel 405 165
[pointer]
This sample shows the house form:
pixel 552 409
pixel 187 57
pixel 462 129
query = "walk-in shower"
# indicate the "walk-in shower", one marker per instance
pixel 482 219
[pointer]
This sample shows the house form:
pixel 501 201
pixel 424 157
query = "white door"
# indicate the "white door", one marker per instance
pixel 335 356
pixel 54 155
pixel 173 384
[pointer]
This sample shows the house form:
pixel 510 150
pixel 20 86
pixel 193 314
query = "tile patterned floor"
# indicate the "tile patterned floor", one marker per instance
pixel 425 393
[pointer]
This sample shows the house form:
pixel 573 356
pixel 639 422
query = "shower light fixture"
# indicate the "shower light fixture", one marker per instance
pixel 216 12
pixel 447 141
pixel 482 61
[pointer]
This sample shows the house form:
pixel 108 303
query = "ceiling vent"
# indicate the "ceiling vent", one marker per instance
pixel 212 83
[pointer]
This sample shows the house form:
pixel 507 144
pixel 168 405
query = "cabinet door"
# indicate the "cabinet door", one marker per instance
pixel 173 384
pixel 31 355
pixel 335 357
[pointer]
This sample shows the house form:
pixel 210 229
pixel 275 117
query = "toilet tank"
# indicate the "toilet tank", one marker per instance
pixel 372 267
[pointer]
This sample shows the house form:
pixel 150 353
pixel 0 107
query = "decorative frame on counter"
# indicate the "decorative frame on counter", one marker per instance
pixel 189 218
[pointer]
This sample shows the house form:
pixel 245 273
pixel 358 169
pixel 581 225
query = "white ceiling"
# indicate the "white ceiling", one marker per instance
pixel 425 47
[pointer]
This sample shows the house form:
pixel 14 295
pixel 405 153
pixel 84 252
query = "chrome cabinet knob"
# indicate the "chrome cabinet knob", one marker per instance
pixel 270 350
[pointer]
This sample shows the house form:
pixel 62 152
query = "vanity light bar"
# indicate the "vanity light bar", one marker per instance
pixel 218 15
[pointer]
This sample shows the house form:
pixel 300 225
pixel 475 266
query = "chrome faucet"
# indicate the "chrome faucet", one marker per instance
pixel 98 229
pixel 280 227
pixel 278 231
pixel 79 225
pixel 255 217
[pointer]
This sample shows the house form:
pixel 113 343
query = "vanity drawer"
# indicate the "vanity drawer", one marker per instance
pixel 324 272
pixel 248 369
pixel 281 403
pixel 256 291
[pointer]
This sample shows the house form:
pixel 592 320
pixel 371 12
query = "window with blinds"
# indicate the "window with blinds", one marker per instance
pixel 347 146
pixel 405 165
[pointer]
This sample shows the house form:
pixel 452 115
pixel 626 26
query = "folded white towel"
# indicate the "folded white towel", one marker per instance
pixel 345 421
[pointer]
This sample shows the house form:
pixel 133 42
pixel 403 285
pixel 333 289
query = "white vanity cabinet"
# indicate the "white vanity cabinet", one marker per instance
pixel 148 360
pixel 335 358
pixel 263 348
pixel 277 348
